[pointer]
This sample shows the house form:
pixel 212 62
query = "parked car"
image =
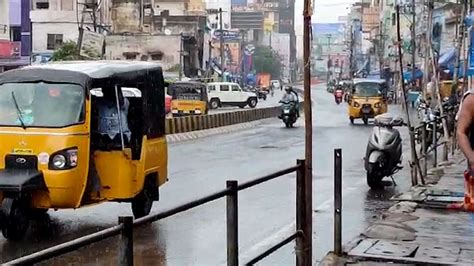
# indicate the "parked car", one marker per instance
pixel 230 94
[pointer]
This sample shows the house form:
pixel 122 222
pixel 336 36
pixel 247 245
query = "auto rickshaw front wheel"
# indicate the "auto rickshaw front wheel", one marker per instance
pixel 14 219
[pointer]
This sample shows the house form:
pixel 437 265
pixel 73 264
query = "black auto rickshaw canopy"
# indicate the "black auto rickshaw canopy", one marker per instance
pixel 188 90
pixel 145 76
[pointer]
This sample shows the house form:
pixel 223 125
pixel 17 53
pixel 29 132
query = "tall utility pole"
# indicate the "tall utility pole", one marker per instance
pixel 413 41
pixel 428 44
pixel 221 43
pixel 351 54
pixel 308 228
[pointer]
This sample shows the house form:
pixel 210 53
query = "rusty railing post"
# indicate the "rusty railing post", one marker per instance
pixel 232 224
pixel 435 143
pixel 300 212
pixel 126 242
pixel 338 202
pixel 424 148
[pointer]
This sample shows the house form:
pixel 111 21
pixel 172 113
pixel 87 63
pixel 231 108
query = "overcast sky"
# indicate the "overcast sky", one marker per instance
pixel 324 10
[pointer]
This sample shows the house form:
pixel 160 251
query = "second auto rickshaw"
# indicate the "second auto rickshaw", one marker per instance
pixel 71 138
pixel 188 98
pixel 367 99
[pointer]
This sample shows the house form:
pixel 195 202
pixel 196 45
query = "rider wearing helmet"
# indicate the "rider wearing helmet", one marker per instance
pixel 291 96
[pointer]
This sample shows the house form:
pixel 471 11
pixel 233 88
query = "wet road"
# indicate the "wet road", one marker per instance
pixel 266 212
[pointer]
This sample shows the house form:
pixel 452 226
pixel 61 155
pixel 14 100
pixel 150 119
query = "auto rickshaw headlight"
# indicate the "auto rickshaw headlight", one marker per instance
pixel 377 105
pixel 59 161
pixel 65 159
pixel 356 104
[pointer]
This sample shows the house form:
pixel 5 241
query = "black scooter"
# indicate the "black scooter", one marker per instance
pixel 288 113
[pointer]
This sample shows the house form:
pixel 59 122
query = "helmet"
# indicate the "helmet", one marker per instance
pixel 288 88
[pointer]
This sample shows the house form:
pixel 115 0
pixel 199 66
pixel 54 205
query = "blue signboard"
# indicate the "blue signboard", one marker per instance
pixel 239 2
pixel 471 50
pixel 329 28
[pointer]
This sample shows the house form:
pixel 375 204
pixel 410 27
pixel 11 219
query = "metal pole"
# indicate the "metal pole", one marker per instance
pixel 126 242
pixel 181 57
pixel 435 143
pixel 232 224
pixel 415 162
pixel 119 115
pixel 413 42
pixel 308 133
pixel 424 147
pixel 221 43
pixel 300 212
pixel 338 202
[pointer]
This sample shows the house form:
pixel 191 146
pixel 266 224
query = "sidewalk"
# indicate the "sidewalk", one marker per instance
pixel 414 232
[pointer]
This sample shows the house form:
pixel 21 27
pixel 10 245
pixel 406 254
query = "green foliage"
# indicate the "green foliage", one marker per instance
pixel 67 52
pixel 267 60
pixel 174 68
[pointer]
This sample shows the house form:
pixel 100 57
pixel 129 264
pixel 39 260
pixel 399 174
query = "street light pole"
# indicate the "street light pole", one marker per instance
pixel 221 43
pixel 413 42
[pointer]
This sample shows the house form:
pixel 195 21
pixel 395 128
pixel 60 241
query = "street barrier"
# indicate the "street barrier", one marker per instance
pixel 185 124
pixel 201 122
pixel 126 225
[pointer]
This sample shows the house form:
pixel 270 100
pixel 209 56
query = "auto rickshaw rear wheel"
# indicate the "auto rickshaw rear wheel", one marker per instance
pixel 142 203
pixel 351 119
pixel 15 219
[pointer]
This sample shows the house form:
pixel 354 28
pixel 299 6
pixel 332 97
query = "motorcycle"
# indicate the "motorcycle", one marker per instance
pixel 288 113
pixel 261 94
pixel 338 96
pixel 384 150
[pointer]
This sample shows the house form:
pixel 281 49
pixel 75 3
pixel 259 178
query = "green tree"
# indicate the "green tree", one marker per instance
pixel 267 60
pixel 67 52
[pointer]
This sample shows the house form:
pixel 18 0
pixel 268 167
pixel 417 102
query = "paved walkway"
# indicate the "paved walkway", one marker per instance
pixel 413 231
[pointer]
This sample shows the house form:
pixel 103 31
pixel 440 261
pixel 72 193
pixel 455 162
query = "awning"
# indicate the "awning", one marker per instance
pixel 407 75
pixel 450 70
pixel 447 58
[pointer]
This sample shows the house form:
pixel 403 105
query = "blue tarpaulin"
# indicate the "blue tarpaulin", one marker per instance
pixel 407 75
pixel 447 58
pixel 470 71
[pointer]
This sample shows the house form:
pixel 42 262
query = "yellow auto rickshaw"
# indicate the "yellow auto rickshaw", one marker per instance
pixel 69 138
pixel 188 98
pixel 367 99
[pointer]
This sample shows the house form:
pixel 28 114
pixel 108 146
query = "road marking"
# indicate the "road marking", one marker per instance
pixel 288 229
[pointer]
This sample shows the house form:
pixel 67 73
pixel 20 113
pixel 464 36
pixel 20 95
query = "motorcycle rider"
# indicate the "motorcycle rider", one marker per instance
pixel 340 90
pixel 291 96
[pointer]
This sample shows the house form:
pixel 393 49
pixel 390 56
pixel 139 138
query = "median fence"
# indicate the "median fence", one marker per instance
pixel 126 225
pixel 185 124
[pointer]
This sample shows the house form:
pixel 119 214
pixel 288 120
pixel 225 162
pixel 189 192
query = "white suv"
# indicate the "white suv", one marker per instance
pixel 229 94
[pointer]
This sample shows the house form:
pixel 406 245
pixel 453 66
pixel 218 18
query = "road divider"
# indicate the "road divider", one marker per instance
pixel 185 124
pixel 177 125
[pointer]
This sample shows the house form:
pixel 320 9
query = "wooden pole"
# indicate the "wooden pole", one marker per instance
pixel 308 132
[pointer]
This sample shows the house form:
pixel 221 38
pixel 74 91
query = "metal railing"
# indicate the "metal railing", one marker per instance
pixel 126 225
pixel 428 148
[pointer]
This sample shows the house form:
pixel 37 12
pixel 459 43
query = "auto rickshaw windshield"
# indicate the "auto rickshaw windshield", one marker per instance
pixel 41 104
pixel 186 92
pixel 367 89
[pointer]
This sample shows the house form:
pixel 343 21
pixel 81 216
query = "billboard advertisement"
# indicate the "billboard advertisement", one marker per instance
pixel 232 56
pixel 286 19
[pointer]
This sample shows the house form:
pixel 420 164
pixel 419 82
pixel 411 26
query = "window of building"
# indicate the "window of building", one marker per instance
pixel 157 56
pixel 394 19
pixel 15 33
pixel 67 5
pixel 54 41
pixel 42 4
